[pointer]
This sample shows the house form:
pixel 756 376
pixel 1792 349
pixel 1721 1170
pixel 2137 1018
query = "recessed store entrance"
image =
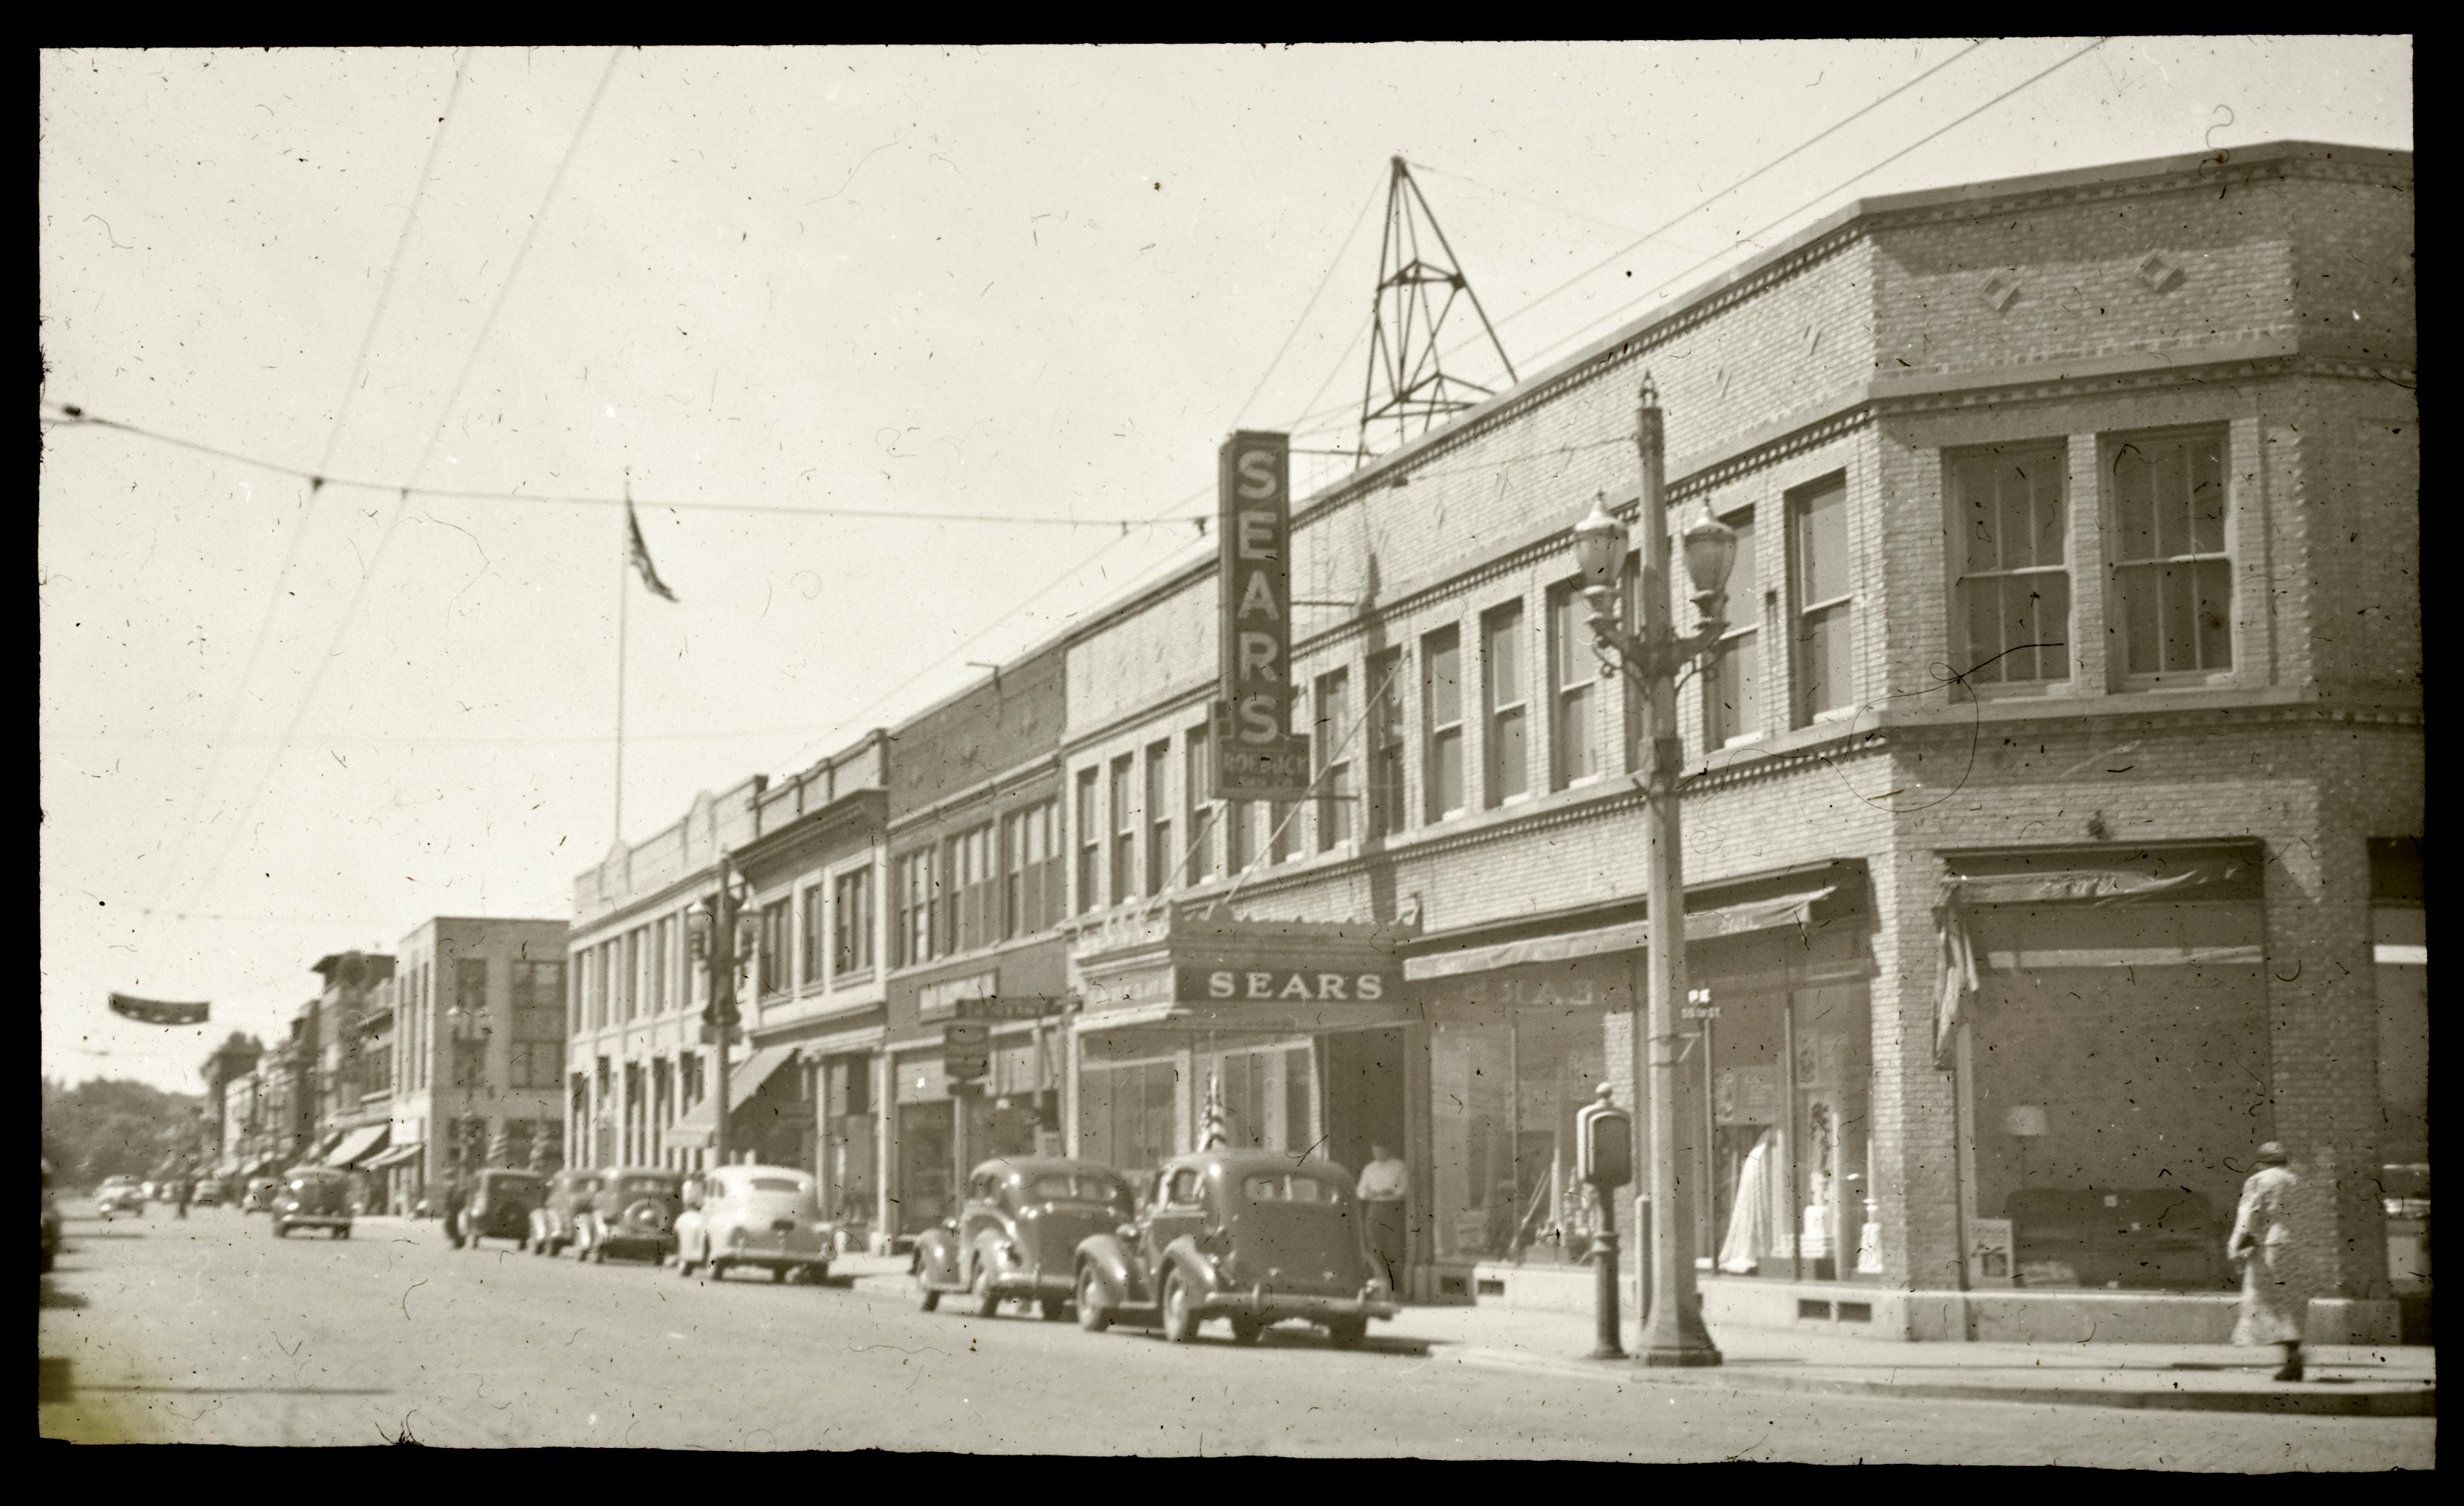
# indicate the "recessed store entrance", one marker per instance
pixel 1364 1093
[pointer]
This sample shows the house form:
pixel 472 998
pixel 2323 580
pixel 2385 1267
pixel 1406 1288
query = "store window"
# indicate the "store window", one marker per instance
pixel 1129 1101
pixel 1505 1080
pixel 2400 970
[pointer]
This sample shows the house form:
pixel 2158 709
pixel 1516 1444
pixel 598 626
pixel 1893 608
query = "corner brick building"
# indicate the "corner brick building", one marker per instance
pixel 2075 629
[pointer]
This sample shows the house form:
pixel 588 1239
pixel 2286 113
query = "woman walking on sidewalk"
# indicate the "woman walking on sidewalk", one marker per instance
pixel 2273 1248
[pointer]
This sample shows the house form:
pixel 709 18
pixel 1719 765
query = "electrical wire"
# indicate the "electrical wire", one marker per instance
pixel 394 524
pixel 1358 221
pixel 333 442
pixel 72 417
pixel 1753 235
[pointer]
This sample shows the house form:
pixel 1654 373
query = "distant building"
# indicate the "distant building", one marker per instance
pixel 230 1062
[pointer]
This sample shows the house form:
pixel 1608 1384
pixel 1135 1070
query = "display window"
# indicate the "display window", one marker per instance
pixel 1505 1084
pixel 1147 1096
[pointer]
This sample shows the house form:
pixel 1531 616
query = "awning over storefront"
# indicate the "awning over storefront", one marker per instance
pixel 695 1128
pixel 399 1155
pixel 266 1167
pixel 1774 913
pixel 323 1147
pixel 359 1143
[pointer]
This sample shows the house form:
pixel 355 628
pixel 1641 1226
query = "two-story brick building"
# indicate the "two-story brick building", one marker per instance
pixel 2074 629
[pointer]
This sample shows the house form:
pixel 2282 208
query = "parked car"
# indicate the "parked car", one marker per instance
pixel 767 1216
pixel 314 1197
pixel 260 1195
pixel 632 1212
pixel 51 1221
pixel 556 1223
pixel 1252 1236
pixel 119 1194
pixel 499 1207
pixel 1017 1236
pixel 209 1193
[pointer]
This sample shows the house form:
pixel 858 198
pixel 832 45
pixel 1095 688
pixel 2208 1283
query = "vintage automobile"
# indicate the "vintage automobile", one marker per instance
pixel 556 1223
pixel 119 1194
pixel 51 1221
pixel 209 1192
pixel 314 1197
pixel 1017 1236
pixel 1252 1237
pixel 499 1207
pixel 260 1194
pixel 633 1213
pixel 767 1216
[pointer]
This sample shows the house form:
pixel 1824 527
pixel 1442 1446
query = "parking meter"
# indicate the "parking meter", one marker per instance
pixel 1604 1143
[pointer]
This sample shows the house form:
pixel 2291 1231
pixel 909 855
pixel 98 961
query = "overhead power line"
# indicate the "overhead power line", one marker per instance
pixel 71 417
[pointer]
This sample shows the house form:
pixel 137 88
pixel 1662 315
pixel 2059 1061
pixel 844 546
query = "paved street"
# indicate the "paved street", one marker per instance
pixel 211 1331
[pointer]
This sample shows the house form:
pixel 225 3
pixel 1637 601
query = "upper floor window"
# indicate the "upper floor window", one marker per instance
pixel 1441 715
pixel 814 936
pixel 1330 742
pixel 775 940
pixel 663 963
pixel 1733 698
pixel 470 987
pixel 972 888
pixel 851 922
pixel 1125 830
pixel 1573 677
pixel 1384 733
pixel 913 885
pixel 1825 594
pixel 2172 576
pixel 1239 835
pixel 538 1002
pixel 1197 774
pixel 1504 689
pixel 1159 851
pixel 2011 522
pixel 1091 842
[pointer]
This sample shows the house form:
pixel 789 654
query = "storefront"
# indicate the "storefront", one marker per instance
pixel 1268 1035
pixel 942 1128
pixel 1522 1031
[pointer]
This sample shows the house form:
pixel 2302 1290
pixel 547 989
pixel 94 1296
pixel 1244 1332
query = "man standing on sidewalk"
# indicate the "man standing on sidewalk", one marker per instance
pixel 2272 1246
pixel 1384 1184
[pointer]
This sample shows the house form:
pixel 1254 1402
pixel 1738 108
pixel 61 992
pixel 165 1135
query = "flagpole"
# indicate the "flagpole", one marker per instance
pixel 624 598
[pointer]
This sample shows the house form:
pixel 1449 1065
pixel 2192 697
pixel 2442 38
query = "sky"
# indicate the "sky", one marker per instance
pixel 1022 291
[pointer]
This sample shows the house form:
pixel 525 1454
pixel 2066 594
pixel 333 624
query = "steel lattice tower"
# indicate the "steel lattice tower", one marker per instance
pixel 1404 338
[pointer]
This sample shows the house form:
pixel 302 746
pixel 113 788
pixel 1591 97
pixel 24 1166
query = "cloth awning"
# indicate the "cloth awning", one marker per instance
pixel 264 1168
pixel 2061 885
pixel 359 1143
pixel 323 1149
pixel 696 1127
pixel 1705 924
pixel 409 1151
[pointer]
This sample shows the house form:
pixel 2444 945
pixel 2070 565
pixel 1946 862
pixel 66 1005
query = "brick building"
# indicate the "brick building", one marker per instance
pixel 2075 628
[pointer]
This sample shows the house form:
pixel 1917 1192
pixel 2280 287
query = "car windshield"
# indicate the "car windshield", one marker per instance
pixel 1058 1187
pixel 1291 1186
pixel 516 1186
pixel 652 1186
pixel 774 1184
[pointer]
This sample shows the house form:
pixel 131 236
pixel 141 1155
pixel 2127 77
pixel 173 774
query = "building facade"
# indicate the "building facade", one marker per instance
pixel 975 899
pixel 2073 630
pixel 473 1075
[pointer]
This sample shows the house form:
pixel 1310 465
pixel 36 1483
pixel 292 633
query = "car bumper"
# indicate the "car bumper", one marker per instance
pixel 817 1251
pixel 1016 1282
pixel 318 1220
pixel 1274 1306
pixel 656 1246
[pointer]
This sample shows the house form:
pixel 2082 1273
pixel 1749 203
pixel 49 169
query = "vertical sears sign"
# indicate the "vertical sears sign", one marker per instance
pixel 1256 755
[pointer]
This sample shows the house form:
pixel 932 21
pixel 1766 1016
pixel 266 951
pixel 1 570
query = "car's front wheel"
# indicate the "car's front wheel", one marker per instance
pixel 986 1304
pixel 926 1298
pixel 1093 1315
pixel 717 1268
pixel 1179 1313
pixel 282 1229
pixel 684 1263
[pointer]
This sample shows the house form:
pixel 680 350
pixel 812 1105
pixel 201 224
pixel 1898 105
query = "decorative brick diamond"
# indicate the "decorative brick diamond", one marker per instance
pixel 2159 275
pixel 1998 291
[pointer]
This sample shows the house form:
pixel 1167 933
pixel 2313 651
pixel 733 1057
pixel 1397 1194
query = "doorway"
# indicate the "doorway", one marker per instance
pixel 926 1156
pixel 1364 1093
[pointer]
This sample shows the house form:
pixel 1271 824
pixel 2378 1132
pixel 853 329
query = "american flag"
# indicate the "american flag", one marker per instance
pixel 154 1012
pixel 1212 1133
pixel 642 555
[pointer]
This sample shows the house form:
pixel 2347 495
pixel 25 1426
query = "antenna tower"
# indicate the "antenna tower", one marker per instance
pixel 1406 379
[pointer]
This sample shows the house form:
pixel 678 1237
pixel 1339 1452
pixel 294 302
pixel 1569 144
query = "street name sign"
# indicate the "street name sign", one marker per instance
pixel 1029 1006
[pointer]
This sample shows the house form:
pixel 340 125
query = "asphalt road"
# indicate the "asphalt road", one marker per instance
pixel 209 1330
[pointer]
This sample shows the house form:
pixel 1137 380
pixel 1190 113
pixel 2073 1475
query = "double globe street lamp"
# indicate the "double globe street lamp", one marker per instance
pixel 722 930
pixel 1653 656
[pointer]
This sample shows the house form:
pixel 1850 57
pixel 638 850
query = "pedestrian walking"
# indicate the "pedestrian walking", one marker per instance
pixel 181 1191
pixel 1384 1183
pixel 2274 1249
pixel 455 1195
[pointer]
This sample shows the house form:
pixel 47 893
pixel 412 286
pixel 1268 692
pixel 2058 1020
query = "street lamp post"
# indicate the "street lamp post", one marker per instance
pixel 1673 1332
pixel 717 927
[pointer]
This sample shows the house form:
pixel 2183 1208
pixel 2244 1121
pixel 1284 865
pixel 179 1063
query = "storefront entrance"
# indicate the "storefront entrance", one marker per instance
pixel 926 1152
pixel 1364 1093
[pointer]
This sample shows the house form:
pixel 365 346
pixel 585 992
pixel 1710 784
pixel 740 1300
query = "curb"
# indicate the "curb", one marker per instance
pixel 2340 1402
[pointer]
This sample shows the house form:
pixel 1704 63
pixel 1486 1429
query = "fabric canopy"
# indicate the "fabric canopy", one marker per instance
pixel 1705 924
pixel 2059 885
pixel 408 1150
pixel 696 1127
pixel 359 1143
pixel 323 1147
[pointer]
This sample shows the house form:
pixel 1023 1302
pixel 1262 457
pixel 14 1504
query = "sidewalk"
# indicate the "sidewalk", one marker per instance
pixel 2342 1380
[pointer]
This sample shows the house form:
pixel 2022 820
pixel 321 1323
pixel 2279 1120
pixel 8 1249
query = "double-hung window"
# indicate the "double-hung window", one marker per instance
pixel 1732 700
pixel 968 915
pixel 1125 830
pixel 1091 842
pixel 1573 685
pixel 1332 747
pixel 815 935
pixel 1196 772
pixel 851 922
pixel 663 955
pixel 2173 576
pixel 1505 689
pixel 1384 733
pixel 775 940
pixel 2012 523
pixel 1825 599
pixel 1441 715
pixel 914 883
pixel 1160 855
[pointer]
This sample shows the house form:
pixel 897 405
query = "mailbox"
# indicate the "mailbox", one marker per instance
pixel 1604 1143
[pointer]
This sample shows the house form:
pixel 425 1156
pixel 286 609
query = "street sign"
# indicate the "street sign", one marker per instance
pixel 1028 1006
pixel 964 1066
pixel 966 1049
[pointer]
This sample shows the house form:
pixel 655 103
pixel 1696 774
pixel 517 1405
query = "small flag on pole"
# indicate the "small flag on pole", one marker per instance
pixel 154 1012
pixel 1213 1135
pixel 642 555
